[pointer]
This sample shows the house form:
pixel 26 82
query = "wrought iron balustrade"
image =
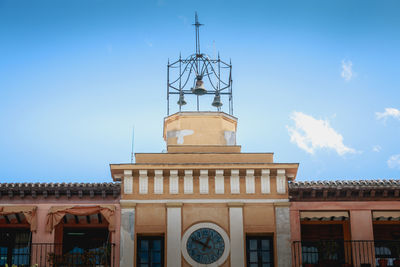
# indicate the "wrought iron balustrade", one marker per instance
pixel 339 253
pixel 55 255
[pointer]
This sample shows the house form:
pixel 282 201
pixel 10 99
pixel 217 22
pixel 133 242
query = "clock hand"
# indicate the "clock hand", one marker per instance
pixel 201 243
pixel 206 244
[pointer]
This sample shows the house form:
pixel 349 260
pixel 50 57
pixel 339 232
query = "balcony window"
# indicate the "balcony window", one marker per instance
pixel 15 247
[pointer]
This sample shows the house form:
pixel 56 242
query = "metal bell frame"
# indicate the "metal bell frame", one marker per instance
pixel 194 71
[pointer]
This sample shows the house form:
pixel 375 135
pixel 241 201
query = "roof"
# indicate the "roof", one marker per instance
pixel 344 190
pixel 60 189
pixel 344 183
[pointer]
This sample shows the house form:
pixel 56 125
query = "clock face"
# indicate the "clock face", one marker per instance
pixel 205 246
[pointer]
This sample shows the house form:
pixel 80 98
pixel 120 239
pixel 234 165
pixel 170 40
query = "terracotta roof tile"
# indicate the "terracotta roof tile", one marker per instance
pixel 338 184
pixel 61 188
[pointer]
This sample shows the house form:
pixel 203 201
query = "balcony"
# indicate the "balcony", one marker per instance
pixel 55 255
pixel 336 253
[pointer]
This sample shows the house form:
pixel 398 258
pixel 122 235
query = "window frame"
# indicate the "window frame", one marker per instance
pixel 11 246
pixel 150 238
pixel 259 238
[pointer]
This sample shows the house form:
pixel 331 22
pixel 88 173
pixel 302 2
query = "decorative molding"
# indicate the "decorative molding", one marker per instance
pixel 281 182
pixel 235 182
pixel 224 200
pixel 250 182
pixel 188 182
pixel 174 204
pixel 203 180
pixel 219 182
pixel 128 205
pixel 282 204
pixel 265 182
pixel 158 182
pixel 128 182
pixel 235 204
pixel 143 182
pixel 173 182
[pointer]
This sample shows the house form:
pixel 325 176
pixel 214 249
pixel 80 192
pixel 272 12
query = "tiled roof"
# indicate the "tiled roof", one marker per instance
pixel 59 189
pixel 338 184
pixel 344 190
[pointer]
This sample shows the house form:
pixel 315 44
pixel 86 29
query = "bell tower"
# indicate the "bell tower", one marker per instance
pixel 200 202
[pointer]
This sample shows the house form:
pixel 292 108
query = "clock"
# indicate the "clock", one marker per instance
pixel 205 244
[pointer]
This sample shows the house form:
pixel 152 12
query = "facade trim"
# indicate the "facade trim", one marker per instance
pixel 226 200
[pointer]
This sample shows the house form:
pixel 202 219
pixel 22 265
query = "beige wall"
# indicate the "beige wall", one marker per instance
pixel 259 218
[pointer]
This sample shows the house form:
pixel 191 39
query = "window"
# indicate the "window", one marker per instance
pixel 259 251
pixel 15 247
pixel 85 245
pixel 150 251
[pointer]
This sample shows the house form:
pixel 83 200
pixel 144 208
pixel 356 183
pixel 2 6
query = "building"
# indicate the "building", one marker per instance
pixel 204 202
pixel 345 223
pixel 59 224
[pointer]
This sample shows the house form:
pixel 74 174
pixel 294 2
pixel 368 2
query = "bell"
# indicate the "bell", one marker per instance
pixel 181 100
pixel 217 101
pixel 199 88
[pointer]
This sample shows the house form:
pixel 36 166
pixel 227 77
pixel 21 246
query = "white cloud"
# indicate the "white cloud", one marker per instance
pixel 347 71
pixel 311 134
pixel 394 161
pixel 389 112
pixel 376 148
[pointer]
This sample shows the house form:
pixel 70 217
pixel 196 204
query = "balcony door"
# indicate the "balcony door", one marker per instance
pixel 15 245
pixel 83 246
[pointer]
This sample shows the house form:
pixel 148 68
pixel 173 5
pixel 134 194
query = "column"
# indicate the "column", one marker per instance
pixel 283 246
pixel 237 235
pixel 362 229
pixel 127 235
pixel 295 235
pixel 41 236
pixel 174 229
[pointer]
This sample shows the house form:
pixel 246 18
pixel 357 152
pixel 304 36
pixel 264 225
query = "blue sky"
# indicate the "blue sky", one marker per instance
pixel 315 82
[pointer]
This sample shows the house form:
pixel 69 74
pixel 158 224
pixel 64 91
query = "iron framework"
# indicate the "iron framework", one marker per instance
pixel 183 74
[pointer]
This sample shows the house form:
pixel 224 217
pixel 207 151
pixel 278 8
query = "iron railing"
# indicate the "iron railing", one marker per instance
pixel 55 255
pixel 339 253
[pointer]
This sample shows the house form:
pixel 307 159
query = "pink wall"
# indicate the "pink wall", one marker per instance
pixel 360 215
pixel 43 205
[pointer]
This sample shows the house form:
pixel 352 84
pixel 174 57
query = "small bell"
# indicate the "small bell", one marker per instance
pixel 181 100
pixel 199 88
pixel 217 101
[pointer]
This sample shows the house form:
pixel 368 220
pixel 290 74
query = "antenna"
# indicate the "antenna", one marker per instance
pixel 133 142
